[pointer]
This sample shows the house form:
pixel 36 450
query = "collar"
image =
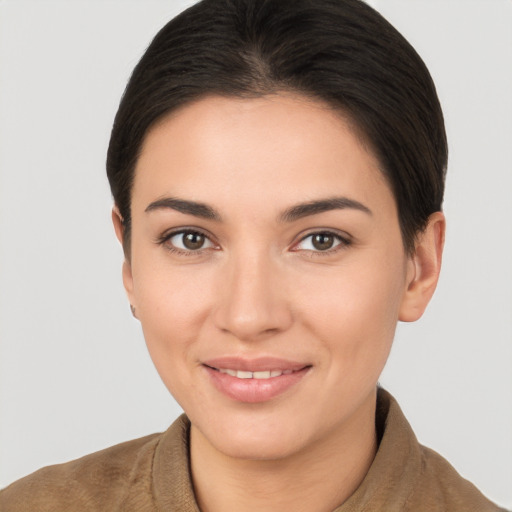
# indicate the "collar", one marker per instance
pixel 387 485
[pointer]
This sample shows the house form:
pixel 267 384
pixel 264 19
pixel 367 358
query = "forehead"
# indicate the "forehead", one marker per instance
pixel 274 148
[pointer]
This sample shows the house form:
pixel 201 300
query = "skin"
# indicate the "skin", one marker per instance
pixel 259 287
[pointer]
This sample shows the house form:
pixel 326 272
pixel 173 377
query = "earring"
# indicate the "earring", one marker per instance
pixel 132 308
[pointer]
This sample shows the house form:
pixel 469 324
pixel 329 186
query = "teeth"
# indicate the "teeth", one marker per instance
pixel 266 374
pixel 261 375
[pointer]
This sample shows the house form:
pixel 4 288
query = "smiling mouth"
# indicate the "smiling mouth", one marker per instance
pixel 264 374
pixel 257 380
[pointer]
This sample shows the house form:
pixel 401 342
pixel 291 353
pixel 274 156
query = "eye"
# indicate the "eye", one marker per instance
pixel 323 241
pixel 187 241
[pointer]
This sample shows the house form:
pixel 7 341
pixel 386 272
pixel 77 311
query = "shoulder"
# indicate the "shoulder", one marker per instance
pixel 97 481
pixel 411 477
pixel 440 485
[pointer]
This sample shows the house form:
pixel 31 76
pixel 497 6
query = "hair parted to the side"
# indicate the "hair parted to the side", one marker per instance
pixel 341 52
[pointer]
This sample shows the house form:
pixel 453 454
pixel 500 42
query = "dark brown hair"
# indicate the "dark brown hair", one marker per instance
pixel 341 52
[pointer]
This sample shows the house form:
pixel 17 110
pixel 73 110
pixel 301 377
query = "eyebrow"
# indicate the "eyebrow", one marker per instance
pixel 187 207
pixel 322 205
pixel 289 215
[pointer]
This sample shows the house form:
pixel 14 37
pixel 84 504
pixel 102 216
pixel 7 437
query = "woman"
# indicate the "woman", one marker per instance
pixel 277 170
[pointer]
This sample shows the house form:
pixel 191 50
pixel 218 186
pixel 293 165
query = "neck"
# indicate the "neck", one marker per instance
pixel 317 478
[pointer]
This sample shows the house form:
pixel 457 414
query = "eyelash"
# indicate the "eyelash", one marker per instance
pixel 343 242
pixel 162 240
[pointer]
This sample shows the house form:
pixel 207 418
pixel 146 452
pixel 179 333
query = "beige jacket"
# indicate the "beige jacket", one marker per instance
pixel 152 474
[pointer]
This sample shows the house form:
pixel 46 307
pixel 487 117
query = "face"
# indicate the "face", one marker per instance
pixel 267 270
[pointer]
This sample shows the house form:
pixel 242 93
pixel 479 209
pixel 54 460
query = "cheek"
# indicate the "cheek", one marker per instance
pixel 170 297
pixel 172 308
pixel 354 313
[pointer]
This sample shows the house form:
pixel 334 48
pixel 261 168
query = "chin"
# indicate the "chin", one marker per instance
pixel 251 438
pixel 246 447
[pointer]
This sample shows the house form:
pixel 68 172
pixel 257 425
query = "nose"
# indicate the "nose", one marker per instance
pixel 252 301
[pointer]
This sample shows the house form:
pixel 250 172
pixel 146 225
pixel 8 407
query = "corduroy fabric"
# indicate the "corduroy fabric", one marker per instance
pixel 152 474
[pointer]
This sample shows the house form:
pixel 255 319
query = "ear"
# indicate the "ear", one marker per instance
pixel 117 220
pixel 423 269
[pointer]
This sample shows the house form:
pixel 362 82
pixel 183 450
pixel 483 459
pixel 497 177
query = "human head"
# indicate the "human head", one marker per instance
pixel 341 52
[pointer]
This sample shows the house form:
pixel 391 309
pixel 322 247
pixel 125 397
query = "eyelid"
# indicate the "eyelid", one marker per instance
pixel 170 233
pixel 344 239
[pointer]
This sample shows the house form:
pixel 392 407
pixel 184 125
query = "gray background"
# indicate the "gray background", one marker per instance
pixel 74 372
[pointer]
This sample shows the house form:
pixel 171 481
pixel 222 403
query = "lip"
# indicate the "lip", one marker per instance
pixel 254 390
pixel 255 365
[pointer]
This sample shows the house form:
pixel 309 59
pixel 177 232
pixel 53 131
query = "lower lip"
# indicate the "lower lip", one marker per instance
pixel 254 390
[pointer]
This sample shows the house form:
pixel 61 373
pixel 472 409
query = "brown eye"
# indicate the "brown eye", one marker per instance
pixel 188 241
pixel 322 241
pixel 193 241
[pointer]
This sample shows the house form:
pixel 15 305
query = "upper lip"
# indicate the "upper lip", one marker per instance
pixel 255 364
